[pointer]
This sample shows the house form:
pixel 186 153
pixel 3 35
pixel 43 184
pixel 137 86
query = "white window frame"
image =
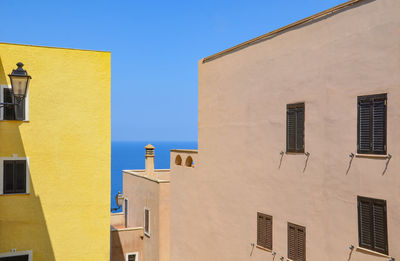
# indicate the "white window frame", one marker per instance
pixel 18 253
pixel 26 100
pixel 132 253
pixel 147 233
pixel 14 157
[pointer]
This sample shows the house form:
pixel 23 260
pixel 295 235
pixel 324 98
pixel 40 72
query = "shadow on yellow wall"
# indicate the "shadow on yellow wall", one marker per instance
pixel 22 219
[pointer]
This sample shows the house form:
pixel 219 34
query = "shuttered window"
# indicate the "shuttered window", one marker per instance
pixel 296 242
pixel 147 221
pixel 372 224
pixel 264 231
pixel 295 127
pixel 14 176
pixel 131 257
pixel 371 138
pixel 12 112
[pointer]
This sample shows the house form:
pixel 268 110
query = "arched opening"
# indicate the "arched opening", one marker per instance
pixel 178 160
pixel 189 162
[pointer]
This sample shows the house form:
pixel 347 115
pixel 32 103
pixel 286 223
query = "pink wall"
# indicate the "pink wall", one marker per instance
pixel 242 129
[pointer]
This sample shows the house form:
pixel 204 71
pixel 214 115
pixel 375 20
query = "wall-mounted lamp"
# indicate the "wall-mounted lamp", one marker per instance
pixel 351 155
pixel 351 247
pixel 391 259
pixel 273 253
pixel 19 79
pixel 389 156
pixel 282 258
pixel 307 154
pixel 119 200
pixel 281 153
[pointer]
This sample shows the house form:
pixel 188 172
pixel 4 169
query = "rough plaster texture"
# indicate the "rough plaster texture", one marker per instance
pixel 144 190
pixel 66 216
pixel 242 129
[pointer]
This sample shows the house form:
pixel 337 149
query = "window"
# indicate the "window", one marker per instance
pixel 126 212
pixel 14 176
pixel 371 137
pixel 178 160
pixel 147 222
pixel 372 224
pixel 296 242
pixel 264 231
pixel 12 112
pixel 16 256
pixel 295 128
pixel 132 256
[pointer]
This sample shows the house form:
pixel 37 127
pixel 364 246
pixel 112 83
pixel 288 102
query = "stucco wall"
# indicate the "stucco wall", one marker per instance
pixel 66 216
pixel 143 192
pixel 126 241
pixel 242 129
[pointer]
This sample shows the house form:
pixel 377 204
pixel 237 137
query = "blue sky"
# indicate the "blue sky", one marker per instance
pixel 155 48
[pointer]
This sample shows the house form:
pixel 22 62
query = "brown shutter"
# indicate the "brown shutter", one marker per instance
pixel 372 224
pixel 268 232
pixel 379 125
pixel 371 125
pixel 300 128
pixel 301 244
pixel 291 241
pixel 8 176
pixel 261 230
pixel 295 127
pixel 146 221
pixel 264 230
pixel 291 130
pixel 296 242
pixel 364 223
pixel 380 226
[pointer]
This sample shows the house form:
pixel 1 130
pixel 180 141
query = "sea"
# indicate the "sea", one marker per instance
pixel 127 155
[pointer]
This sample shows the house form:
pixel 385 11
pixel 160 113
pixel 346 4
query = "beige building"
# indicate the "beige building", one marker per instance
pixel 141 231
pixel 296 132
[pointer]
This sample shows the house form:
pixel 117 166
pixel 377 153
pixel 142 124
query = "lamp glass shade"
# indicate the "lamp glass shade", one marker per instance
pixel 119 199
pixel 19 85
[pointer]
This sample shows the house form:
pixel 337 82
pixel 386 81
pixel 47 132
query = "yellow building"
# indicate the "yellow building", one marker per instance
pixel 62 142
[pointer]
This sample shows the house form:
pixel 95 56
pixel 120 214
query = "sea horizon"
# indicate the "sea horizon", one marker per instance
pixel 126 155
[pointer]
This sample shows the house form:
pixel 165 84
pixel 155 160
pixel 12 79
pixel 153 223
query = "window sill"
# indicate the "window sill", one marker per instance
pixel 263 248
pixel 371 252
pixel 372 156
pixel 294 153
pixel 14 194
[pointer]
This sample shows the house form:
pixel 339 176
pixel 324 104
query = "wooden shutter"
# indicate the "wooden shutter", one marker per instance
pixel 372 224
pixel 379 125
pixel 264 230
pixel 371 137
pixel 146 221
pixel 295 128
pixel 301 244
pixel 296 242
pixel 380 226
pixel 261 230
pixel 8 176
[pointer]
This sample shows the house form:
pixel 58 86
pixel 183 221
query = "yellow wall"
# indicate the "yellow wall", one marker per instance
pixel 66 216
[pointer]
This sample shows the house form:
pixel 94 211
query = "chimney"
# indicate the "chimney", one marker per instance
pixel 149 159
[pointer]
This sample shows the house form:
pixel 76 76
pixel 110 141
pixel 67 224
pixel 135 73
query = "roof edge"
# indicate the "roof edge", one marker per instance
pixel 54 47
pixel 281 29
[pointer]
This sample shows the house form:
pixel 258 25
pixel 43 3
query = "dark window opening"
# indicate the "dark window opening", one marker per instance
pixel 14 176
pixel 12 112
